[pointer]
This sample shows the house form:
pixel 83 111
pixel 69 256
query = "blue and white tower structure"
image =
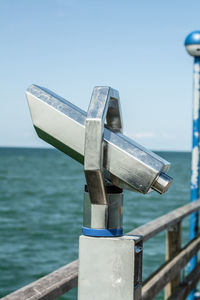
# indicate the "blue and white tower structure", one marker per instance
pixel 192 44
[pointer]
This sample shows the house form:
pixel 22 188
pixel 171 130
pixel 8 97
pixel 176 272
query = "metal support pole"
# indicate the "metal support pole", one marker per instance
pixel 194 218
pixel 195 155
pixel 192 44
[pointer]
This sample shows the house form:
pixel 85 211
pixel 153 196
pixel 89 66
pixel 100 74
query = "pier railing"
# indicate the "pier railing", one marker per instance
pixel 167 276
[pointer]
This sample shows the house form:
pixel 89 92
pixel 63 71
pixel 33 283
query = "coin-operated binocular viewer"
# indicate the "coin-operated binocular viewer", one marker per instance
pixel 110 264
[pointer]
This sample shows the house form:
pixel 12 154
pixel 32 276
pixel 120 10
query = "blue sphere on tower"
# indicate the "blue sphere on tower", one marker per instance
pixel 192 43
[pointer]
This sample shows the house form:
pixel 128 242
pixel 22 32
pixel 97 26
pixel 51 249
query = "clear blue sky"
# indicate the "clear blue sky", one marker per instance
pixel 71 46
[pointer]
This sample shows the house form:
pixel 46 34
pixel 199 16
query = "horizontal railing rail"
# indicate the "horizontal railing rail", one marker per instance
pixel 64 279
pixel 154 227
pixel 50 286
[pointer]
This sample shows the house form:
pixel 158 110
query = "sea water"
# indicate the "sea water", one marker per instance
pixel 41 207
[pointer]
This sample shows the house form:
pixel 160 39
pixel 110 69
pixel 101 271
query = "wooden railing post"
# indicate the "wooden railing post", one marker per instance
pixel 173 246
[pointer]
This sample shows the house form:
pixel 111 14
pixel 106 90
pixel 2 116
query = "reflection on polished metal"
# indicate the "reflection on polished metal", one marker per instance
pixel 126 164
pixel 104 104
pixel 102 210
pixel 103 216
pixel 162 183
pixel 110 265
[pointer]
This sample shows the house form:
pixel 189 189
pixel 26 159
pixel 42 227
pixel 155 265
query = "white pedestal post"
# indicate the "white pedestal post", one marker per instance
pixel 110 268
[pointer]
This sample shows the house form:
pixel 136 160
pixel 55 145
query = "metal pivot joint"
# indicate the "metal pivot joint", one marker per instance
pixel 103 201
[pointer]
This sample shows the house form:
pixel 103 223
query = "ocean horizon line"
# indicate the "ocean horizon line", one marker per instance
pixel 52 148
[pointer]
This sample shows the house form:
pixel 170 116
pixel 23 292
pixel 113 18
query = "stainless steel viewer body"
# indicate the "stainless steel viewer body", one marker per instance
pixel 126 164
pixel 110 265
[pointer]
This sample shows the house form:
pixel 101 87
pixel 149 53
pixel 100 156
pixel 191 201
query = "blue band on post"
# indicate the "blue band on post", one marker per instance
pixel 102 232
